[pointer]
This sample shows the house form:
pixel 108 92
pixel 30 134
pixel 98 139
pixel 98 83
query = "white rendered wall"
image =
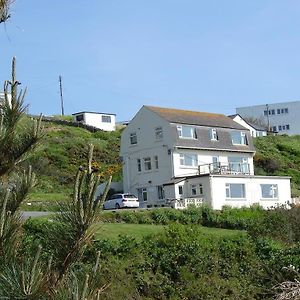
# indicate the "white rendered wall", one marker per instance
pixel 2 97
pixel 291 118
pixel 253 191
pixel 253 131
pixel 144 124
pixel 95 120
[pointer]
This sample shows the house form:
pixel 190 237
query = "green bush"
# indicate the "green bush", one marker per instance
pixel 182 259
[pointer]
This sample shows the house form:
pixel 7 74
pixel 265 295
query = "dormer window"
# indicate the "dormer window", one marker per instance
pixel 213 134
pixel 239 138
pixel 133 138
pixel 186 132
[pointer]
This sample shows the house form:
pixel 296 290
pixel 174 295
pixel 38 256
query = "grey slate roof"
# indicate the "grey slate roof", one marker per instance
pixel 195 118
pixel 204 141
pixel 203 122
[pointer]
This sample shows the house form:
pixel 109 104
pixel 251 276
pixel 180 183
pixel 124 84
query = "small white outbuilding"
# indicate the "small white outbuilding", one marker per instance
pixel 104 121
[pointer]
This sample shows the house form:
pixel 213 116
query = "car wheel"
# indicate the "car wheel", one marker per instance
pixel 117 206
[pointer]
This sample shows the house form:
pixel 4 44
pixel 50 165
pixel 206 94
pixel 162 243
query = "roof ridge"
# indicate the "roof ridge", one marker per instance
pixel 183 110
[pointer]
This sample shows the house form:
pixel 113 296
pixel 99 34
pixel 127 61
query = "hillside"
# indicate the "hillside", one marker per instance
pixel 62 150
pixel 279 155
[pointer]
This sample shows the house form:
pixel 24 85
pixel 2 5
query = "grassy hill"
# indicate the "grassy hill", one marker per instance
pixel 62 150
pixel 279 155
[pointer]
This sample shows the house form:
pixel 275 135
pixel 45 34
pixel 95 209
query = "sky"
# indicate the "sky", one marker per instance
pixel 116 55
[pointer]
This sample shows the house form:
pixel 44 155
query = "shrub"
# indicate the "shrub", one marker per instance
pixel 182 259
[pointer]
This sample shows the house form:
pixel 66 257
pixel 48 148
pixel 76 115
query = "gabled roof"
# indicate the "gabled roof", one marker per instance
pixel 195 118
pixel 252 124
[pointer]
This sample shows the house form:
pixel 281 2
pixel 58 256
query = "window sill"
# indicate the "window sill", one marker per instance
pixel 188 167
pixel 236 199
pixel 269 199
pixel 188 138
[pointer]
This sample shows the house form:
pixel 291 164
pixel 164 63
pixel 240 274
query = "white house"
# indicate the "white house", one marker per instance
pixel 2 97
pixel 279 117
pixel 177 157
pixel 104 121
pixel 256 130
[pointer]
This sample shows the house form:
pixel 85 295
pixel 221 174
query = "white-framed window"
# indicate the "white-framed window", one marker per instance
pixel 235 190
pixel 238 164
pixel 156 162
pixel 186 132
pixel 269 191
pixel 189 160
pixel 106 119
pixel 274 128
pixel 213 134
pixel 133 138
pixel 180 190
pixel 147 163
pixel 159 133
pixel 193 189
pixel 196 189
pixel 160 192
pixel 215 161
pixel 139 165
pixel 144 194
pixel 239 138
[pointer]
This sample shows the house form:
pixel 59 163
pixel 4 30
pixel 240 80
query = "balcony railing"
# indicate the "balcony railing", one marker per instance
pixel 185 202
pixel 221 168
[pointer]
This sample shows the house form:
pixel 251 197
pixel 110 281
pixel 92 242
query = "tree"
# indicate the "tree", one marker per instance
pixel 4 10
pixel 18 137
pixel 23 277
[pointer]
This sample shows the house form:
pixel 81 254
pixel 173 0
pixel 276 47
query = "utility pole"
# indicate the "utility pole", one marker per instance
pixel 268 117
pixel 61 97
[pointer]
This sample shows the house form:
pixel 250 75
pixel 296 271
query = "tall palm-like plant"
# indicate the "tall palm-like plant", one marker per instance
pixel 28 277
pixel 4 10
pixel 17 139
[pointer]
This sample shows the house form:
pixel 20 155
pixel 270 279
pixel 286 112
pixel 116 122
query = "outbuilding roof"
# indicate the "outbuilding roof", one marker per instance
pixel 92 112
pixel 195 118
pixel 252 124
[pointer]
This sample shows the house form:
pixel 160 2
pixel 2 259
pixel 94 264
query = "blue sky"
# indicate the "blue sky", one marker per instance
pixel 116 55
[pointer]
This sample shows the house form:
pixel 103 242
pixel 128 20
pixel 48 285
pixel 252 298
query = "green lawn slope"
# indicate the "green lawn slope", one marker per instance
pixel 279 155
pixel 62 150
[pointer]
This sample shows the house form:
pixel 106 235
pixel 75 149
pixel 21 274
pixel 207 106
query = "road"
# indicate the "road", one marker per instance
pixel 34 214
